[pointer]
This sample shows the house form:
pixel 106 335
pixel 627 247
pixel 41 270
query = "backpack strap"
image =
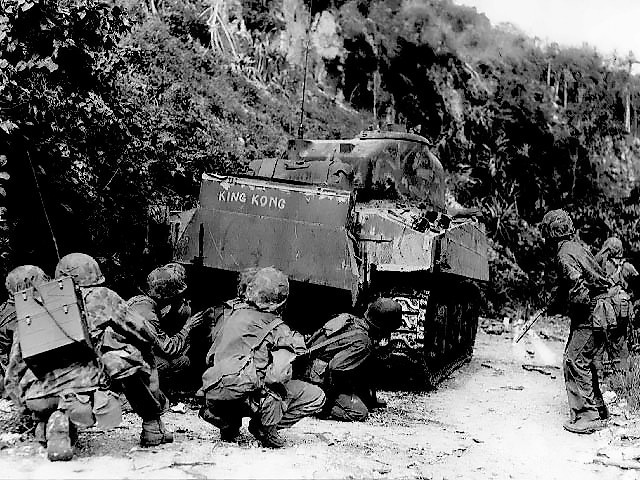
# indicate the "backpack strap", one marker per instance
pixel 272 326
pixel 330 341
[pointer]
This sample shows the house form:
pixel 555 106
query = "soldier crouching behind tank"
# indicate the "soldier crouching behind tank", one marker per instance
pixel 250 366
pixel 73 395
pixel 582 284
pixel 341 357
pixel 169 316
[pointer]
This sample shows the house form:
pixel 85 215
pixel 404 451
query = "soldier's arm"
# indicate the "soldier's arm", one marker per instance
pixel 285 345
pixel 15 371
pixel 285 338
pixel 171 346
pixel 572 271
pixel 355 353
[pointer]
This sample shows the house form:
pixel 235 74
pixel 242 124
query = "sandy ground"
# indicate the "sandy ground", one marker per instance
pixel 491 420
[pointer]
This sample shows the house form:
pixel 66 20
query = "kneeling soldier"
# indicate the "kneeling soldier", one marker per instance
pixel 341 357
pixel 250 367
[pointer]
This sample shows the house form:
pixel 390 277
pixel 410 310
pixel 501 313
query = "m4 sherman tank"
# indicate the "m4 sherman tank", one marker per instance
pixel 347 221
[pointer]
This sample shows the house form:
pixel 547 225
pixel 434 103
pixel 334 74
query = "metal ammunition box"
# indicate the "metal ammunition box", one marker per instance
pixel 50 319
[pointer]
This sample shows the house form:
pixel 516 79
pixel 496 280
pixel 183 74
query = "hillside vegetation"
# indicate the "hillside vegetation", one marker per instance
pixel 120 107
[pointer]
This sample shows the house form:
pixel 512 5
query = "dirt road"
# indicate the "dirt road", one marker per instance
pixel 491 420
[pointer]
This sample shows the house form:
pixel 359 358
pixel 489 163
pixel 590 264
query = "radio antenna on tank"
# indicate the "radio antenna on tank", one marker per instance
pixel 304 78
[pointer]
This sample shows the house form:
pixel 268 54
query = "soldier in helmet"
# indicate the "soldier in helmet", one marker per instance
pixel 168 313
pixel 18 279
pixel 59 397
pixel 341 357
pixel 625 278
pixel 125 340
pixel 581 285
pixel 250 367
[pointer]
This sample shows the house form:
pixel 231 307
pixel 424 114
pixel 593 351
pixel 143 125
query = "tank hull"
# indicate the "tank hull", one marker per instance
pixel 340 253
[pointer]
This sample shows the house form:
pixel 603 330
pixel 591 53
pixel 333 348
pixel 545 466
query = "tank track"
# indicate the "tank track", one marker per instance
pixel 437 337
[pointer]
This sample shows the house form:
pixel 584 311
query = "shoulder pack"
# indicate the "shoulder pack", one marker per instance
pixel 51 323
pixel 233 377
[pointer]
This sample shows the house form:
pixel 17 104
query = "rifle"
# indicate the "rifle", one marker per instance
pixel 529 323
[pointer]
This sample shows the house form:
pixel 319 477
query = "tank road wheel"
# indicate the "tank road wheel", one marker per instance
pixel 451 321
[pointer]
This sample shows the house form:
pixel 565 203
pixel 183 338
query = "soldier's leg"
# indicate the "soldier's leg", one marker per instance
pixel 54 428
pixel 302 400
pixel 579 372
pixel 578 364
pixel 348 407
pixel 148 401
pixel 281 407
pixel 226 415
pixel 599 343
pixel 173 372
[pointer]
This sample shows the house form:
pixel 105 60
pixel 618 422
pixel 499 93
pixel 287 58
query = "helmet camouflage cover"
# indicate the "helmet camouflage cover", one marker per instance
pixel 167 281
pixel 244 278
pixel 614 245
pixel 23 277
pixel 557 224
pixel 83 268
pixel 384 314
pixel 268 290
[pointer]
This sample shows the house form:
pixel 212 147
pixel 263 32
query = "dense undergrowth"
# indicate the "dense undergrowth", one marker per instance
pixel 121 106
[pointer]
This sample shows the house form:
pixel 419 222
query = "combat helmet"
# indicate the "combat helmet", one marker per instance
pixel 83 268
pixel 268 290
pixel 166 282
pixel 614 245
pixel 178 269
pixel 23 277
pixel 244 278
pixel 557 225
pixel 384 315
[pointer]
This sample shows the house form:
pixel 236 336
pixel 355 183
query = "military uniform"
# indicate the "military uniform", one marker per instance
pixel 625 277
pixel 170 346
pixel 122 341
pixel 582 286
pixel 342 367
pixel 250 367
pixel 342 356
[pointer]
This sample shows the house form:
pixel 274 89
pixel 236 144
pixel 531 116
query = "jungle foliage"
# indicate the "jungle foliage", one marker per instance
pixel 121 105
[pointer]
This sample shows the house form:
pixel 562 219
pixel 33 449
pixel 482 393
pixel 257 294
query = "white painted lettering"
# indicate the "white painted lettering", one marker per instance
pixel 282 203
pixel 254 200
pixel 243 197
pixel 263 200
pixel 221 197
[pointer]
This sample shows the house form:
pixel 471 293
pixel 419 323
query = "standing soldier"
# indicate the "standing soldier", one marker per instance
pixel 169 316
pixel 250 367
pixel 342 356
pixel 582 284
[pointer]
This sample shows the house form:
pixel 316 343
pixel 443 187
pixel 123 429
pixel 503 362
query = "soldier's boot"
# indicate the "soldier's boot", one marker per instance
pixel 586 424
pixel 227 434
pixel 154 433
pixel 603 411
pixel 267 436
pixel 59 446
